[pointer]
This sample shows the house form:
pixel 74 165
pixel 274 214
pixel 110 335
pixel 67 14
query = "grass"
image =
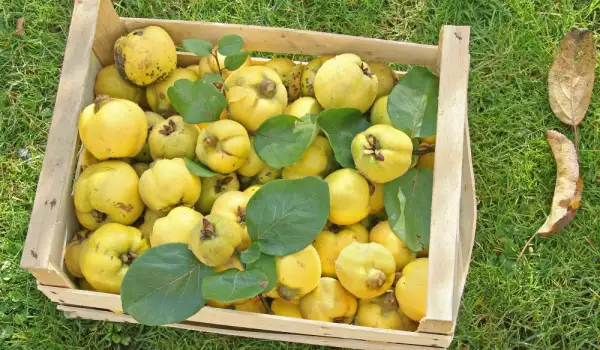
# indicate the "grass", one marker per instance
pixel 549 300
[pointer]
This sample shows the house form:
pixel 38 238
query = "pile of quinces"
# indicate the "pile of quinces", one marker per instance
pixel 134 190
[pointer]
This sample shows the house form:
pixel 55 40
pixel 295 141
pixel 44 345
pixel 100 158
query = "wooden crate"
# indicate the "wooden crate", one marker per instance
pixel 94 28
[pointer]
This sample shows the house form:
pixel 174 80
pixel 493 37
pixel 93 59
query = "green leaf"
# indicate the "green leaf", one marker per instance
pixel 163 285
pixel 212 78
pixel 116 338
pixel 198 168
pixel 341 125
pixel 251 254
pixel 230 44
pixel 407 202
pixel 285 216
pixel 413 103
pixel 233 285
pixel 235 61
pixel 197 102
pixel 197 46
pixel 281 140
pixel 268 265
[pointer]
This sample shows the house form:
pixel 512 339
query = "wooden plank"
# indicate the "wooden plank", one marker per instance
pixel 99 315
pixel 232 318
pixel 447 180
pixel 53 219
pixel 291 41
pixel 108 29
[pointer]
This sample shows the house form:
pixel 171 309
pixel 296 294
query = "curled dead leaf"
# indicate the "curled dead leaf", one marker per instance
pixel 571 76
pixel 20 26
pixel 569 185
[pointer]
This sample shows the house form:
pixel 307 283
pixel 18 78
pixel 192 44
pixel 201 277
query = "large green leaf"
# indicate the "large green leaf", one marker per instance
pixel 212 78
pixel 268 265
pixel 413 103
pixel 198 168
pixel 341 125
pixel 251 254
pixel 197 46
pixel 197 102
pixel 163 285
pixel 285 216
pixel 233 285
pixel 407 202
pixel 230 44
pixel 235 61
pixel 281 140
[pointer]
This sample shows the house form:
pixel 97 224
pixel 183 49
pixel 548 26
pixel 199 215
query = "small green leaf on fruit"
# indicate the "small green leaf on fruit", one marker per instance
pixel 285 216
pixel 233 285
pixel 163 285
pixel 197 102
pixel 413 103
pixel 267 264
pixel 281 140
pixel 251 254
pixel 212 78
pixel 230 44
pixel 235 61
pixel 407 202
pixel 341 126
pixel 197 46
pixel 198 168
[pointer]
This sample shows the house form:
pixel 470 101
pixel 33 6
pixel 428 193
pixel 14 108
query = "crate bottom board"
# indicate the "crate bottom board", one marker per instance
pixel 102 315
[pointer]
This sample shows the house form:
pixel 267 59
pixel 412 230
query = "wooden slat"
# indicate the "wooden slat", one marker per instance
pixel 108 29
pixel 53 219
pixel 232 318
pixel 99 315
pixel 291 41
pixel 447 180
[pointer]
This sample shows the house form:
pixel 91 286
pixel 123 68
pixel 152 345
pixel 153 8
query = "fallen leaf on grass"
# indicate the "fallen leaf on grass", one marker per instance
pixel 569 186
pixel 20 27
pixel 571 76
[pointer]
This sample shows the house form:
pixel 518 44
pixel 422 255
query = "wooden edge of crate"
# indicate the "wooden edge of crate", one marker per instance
pixel 447 179
pixel 101 315
pixel 292 41
pixel 47 232
pixel 248 320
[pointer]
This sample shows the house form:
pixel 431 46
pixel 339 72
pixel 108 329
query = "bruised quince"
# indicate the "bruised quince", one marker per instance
pixel 268 174
pixel 156 94
pixel 346 82
pixel 176 227
pixel 214 187
pixel 382 153
pixel 108 254
pixel 329 302
pixel 297 274
pixel 145 55
pixel 223 146
pixel 329 244
pixel 255 94
pixel 107 192
pixel 173 138
pixel 214 240
pixel 168 184
pixel 232 205
pixel 73 252
pixel 307 87
pixel 366 270
pixel 113 128
pixel 383 312
pixel 348 197
pixel 290 74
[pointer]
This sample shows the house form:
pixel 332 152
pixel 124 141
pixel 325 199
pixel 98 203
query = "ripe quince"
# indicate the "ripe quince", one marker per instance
pixel 379 113
pixel 329 244
pixel 213 188
pixel 382 233
pixel 253 164
pixel 173 138
pixel 109 82
pixel 383 312
pixel 348 197
pixel 307 87
pixel 156 94
pixel 285 308
pixel 213 241
pixel 233 206
pixel 297 274
pixel 176 227
pixel 223 146
pixel 73 252
pixel 411 289
pixel 329 302
pixel 386 77
pixel 290 74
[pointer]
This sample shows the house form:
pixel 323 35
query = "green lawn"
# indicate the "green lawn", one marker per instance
pixel 550 300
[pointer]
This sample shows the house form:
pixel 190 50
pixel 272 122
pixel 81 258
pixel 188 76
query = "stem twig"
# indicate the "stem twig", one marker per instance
pixel 524 248
pixel 266 305
pixel 222 78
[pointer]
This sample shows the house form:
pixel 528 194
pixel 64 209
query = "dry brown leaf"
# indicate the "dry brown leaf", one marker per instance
pixel 569 186
pixel 571 77
pixel 20 26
